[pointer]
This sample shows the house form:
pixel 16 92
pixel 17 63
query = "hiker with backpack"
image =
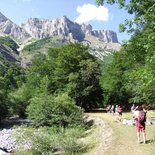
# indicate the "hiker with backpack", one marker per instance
pixel 140 124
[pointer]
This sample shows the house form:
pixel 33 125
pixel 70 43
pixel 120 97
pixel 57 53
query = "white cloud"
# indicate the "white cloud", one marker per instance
pixel 89 12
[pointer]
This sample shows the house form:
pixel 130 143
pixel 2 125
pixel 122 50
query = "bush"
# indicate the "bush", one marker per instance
pixel 59 110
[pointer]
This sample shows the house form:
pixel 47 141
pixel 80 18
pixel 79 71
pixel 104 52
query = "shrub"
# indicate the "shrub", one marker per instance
pixel 59 110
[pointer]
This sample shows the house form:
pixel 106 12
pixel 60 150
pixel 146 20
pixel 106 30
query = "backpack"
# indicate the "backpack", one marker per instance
pixel 142 117
pixel 119 110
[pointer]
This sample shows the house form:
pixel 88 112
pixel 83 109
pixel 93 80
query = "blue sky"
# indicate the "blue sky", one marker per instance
pixel 105 17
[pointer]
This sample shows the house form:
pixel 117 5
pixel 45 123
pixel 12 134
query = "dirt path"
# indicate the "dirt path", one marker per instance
pixel 100 137
pixel 118 139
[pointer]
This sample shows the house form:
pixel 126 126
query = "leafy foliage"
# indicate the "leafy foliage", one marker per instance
pixel 48 110
pixel 44 44
pixel 84 85
pixel 141 10
pixel 11 78
pixel 132 70
pixel 68 68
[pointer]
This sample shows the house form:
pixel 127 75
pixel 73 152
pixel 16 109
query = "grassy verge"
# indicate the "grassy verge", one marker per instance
pixel 49 140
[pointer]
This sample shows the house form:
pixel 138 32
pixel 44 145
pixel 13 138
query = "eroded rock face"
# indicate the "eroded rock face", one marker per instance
pixel 7 27
pixel 106 35
pixel 42 28
pixel 69 30
pixel 2 18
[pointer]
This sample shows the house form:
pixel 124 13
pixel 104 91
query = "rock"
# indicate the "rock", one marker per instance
pixel 128 122
pixel 7 27
pixel 2 18
pixel 36 28
pixel 3 152
pixel 151 120
pixel 8 142
pixel 105 35
pixel 43 28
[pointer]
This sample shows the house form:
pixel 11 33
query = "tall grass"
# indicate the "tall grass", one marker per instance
pixel 48 140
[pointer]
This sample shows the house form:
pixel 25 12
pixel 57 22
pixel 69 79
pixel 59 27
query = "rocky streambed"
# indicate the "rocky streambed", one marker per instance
pixel 9 141
pixel 8 136
pixel 13 139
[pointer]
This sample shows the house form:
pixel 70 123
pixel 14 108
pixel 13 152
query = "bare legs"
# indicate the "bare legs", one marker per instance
pixel 144 137
pixel 138 137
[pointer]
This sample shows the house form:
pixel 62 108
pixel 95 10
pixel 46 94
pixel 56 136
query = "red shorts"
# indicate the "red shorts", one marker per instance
pixel 140 127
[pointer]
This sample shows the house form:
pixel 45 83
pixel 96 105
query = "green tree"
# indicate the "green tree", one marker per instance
pixel 84 85
pixel 11 77
pixel 142 10
pixel 138 77
pixel 4 102
pixel 114 79
pixel 60 64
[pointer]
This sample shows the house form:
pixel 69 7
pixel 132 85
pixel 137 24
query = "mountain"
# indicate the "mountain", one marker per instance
pixel 68 31
pixel 37 35
pixel 7 27
pixel 43 28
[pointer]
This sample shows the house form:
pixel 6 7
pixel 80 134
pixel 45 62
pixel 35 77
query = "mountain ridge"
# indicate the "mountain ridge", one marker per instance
pixel 42 28
pixel 57 32
pixel 9 28
pixel 36 28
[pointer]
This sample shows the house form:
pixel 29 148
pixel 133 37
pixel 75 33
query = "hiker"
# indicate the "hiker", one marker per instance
pixel 140 124
pixel 116 112
pixel 119 110
pixel 108 108
pixel 112 110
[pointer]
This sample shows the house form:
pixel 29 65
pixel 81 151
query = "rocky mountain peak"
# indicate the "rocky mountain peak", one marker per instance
pixel 105 35
pixel 44 28
pixel 9 28
pixel 65 19
pixel 2 18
